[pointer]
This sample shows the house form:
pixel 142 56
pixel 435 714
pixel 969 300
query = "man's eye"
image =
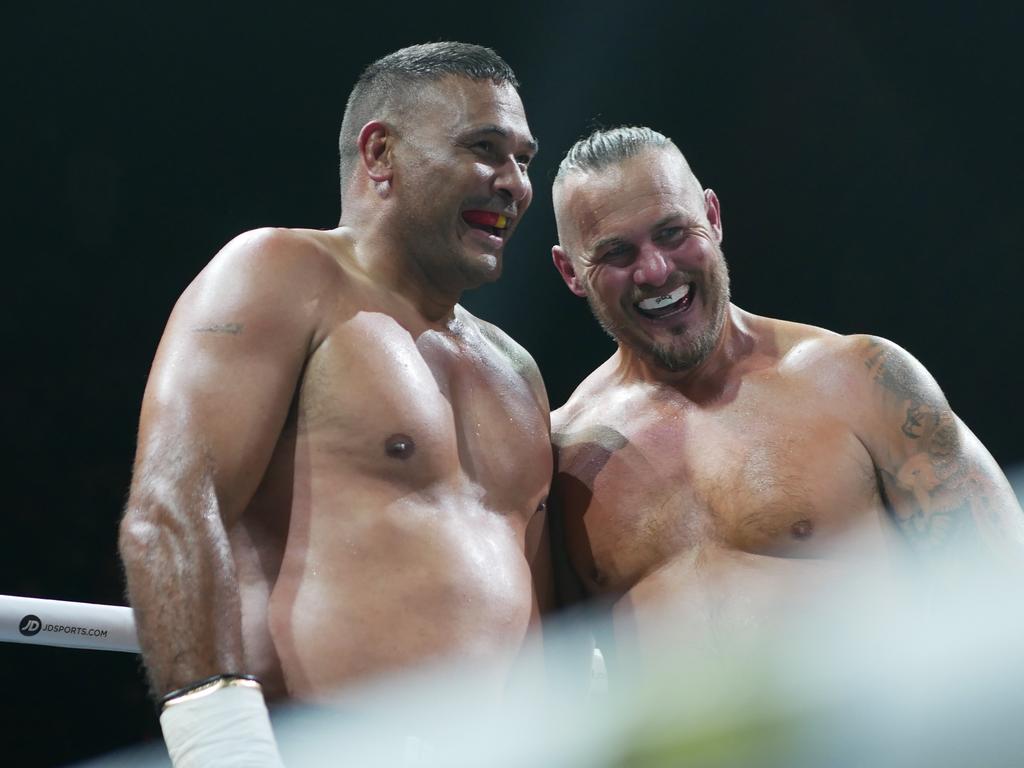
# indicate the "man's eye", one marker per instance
pixel 484 146
pixel 524 162
pixel 618 256
pixel 669 233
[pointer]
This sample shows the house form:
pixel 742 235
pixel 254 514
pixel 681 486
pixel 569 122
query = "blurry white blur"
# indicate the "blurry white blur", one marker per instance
pixel 876 674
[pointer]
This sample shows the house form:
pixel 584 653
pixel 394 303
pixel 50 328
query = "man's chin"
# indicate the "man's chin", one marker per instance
pixel 675 359
pixel 675 355
pixel 481 268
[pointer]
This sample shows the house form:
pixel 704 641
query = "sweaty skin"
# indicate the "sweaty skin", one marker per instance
pixel 784 463
pixel 341 472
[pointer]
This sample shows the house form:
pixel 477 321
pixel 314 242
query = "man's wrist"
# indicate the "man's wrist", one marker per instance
pixel 208 686
pixel 220 722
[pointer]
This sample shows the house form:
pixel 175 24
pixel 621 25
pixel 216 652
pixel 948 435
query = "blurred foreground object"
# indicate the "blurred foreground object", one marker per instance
pixel 877 675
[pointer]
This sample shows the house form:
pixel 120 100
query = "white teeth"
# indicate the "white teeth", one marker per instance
pixel 660 302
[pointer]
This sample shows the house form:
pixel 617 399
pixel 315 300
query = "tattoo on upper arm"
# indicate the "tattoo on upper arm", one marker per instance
pixel 931 485
pixel 914 425
pixel 940 492
pixel 921 407
pixel 231 328
pixel 931 507
pixel 892 372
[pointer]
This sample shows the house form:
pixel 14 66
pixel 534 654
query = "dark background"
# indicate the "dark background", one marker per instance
pixel 867 157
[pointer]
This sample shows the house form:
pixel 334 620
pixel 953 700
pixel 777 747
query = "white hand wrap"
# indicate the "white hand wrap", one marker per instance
pixel 222 723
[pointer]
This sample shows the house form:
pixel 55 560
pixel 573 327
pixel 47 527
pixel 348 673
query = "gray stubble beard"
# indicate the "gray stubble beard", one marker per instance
pixel 669 356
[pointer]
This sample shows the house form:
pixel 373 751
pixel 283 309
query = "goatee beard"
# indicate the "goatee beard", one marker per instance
pixel 667 355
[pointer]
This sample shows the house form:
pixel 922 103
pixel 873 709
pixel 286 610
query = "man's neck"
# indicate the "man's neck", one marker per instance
pixel 431 292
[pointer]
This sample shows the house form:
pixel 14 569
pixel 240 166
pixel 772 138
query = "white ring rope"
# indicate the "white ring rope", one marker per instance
pixel 68 625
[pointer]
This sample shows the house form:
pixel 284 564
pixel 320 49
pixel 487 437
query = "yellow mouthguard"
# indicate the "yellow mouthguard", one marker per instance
pixel 502 222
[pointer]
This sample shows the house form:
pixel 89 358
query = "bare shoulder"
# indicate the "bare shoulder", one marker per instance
pixel 876 386
pixel 830 357
pixel 885 364
pixel 262 277
pixel 863 379
pixel 875 367
pixel 511 351
pixel 266 255
pixel 894 394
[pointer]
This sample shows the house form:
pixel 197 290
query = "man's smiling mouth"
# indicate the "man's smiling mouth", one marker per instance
pixel 488 221
pixel 667 304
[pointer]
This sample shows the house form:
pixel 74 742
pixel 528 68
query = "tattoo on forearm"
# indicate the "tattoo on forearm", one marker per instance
pixel 232 328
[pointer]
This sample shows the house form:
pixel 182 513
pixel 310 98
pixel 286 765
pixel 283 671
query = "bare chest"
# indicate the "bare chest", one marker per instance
pixel 414 412
pixel 657 483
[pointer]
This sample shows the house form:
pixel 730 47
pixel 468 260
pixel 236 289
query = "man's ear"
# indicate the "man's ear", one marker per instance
pixel 714 213
pixel 565 268
pixel 376 145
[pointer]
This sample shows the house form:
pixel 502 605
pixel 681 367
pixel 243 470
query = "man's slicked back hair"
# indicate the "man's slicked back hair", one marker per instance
pixel 606 147
pixel 390 84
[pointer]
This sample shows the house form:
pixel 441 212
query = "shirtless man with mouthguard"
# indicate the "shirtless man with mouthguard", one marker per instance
pixel 340 471
pixel 720 465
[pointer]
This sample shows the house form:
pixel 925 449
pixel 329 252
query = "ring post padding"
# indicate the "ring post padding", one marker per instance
pixel 66 624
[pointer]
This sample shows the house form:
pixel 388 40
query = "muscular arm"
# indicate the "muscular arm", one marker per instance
pixel 946 493
pixel 215 403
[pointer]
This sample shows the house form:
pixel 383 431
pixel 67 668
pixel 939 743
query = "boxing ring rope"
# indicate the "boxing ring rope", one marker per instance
pixel 65 624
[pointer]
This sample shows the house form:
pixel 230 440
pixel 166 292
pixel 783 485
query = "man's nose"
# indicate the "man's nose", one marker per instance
pixel 651 268
pixel 513 181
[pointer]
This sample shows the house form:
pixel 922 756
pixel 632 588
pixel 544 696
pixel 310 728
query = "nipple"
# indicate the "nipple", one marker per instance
pixel 802 529
pixel 399 446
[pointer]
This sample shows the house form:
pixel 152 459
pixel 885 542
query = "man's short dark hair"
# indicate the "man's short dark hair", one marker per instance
pixel 605 147
pixel 389 84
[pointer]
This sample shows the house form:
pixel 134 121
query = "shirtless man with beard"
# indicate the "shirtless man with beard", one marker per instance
pixel 340 471
pixel 720 465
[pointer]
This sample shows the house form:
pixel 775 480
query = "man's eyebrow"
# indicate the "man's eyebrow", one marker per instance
pixel 605 242
pixel 666 219
pixel 531 142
